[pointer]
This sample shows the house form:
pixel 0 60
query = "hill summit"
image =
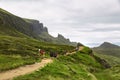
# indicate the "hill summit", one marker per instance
pixel 108 45
pixel 108 49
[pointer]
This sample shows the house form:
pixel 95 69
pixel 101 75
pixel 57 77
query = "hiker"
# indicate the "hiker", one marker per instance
pixel 41 52
pixel 53 54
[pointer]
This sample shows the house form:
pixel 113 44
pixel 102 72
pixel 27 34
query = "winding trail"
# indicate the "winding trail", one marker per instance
pixel 69 53
pixel 9 75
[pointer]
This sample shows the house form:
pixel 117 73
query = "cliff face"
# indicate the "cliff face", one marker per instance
pixel 60 36
pixel 37 27
pixel 40 32
pixel 61 39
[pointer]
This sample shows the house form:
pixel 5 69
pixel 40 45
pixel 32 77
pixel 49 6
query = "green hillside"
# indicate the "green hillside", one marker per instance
pixel 108 49
pixel 12 25
pixel 79 66
pixel 112 60
pixel 111 53
pixel 25 49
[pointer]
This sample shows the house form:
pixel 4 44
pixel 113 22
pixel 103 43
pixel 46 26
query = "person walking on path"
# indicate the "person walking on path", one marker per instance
pixel 41 52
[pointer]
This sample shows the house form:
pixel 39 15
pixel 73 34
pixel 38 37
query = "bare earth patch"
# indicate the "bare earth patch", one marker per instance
pixel 9 75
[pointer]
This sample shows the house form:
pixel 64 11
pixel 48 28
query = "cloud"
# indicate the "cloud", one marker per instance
pixel 86 21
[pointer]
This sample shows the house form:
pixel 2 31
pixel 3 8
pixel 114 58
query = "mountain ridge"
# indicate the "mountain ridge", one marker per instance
pixel 108 45
pixel 14 26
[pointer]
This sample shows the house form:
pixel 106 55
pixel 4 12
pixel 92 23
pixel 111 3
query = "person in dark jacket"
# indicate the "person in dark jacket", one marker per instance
pixel 53 54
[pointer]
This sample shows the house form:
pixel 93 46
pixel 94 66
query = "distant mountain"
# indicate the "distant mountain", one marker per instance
pixel 19 27
pixel 108 45
pixel 108 49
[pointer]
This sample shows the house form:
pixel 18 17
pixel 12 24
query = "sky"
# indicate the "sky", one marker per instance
pixel 90 22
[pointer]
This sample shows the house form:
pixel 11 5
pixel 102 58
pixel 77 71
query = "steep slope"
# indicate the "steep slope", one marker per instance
pixel 108 49
pixel 78 66
pixel 112 60
pixel 20 41
pixel 111 53
pixel 17 51
pixel 15 26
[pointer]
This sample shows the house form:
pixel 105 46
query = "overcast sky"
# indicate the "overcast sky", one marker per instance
pixel 90 22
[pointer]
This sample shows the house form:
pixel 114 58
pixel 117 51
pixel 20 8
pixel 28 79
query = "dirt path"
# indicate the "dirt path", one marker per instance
pixel 68 53
pixel 80 48
pixel 9 75
pixel 93 77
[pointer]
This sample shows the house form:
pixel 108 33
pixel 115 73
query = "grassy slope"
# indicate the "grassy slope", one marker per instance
pixel 109 74
pixel 114 71
pixel 110 51
pixel 11 24
pixel 112 60
pixel 25 49
pixel 74 67
pixel 12 61
pixel 10 47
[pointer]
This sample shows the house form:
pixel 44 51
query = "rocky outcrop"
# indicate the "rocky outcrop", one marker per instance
pixel 45 29
pixel 37 28
pixel 61 37
pixel 103 62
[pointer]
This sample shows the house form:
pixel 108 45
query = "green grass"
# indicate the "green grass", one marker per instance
pixel 112 60
pixel 18 51
pixel 12 61
pixel 108 51
pixel 28 46
pixel 5 11
pixel 72 67
pixel 109 74
pixel 86 50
